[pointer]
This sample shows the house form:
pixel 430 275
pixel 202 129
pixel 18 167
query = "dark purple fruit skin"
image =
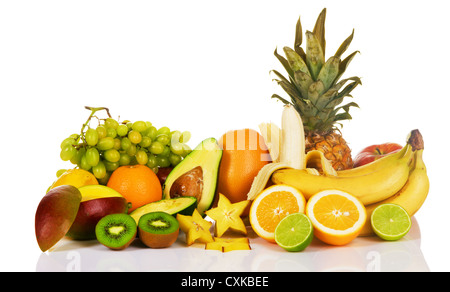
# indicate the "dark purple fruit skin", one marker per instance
pixel 55 214
pixel 162 174
pixel 90 212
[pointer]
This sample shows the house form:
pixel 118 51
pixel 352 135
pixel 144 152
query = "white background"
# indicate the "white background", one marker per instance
pixel 203 66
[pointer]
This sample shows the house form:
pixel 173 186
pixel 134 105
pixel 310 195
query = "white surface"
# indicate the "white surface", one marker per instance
pixel 363 254
pixel 204 66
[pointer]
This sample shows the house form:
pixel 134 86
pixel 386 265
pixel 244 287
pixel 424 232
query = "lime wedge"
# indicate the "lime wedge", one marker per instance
pixel 294 232
pixel 390 221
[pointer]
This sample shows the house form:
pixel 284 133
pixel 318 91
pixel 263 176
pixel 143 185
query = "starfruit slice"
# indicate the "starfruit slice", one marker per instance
pixel 195 227
pixel 228 216
pixel 229 244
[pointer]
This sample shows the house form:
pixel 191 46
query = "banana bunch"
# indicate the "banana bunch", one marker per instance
pixel 400 178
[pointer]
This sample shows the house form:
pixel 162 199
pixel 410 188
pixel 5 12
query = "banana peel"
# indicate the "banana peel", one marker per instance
pixel 287 149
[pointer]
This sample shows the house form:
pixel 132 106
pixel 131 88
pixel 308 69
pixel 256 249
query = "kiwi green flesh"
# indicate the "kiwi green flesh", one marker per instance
pixel 116 230
pixel 158 223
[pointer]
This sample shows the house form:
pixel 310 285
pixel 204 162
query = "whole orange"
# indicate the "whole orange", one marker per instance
pixel 138 184
pixel 244 154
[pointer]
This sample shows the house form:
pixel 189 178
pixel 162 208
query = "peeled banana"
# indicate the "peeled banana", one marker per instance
pixel 292 138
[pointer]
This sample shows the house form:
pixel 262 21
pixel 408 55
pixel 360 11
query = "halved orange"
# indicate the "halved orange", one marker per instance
pixel 272 205
pixel 337 216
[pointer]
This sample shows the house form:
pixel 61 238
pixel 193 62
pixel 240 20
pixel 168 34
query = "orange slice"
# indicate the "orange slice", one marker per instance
pixel 337 216
pixel 272 205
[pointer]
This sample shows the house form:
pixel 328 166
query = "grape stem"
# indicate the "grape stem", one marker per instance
pixel 93 111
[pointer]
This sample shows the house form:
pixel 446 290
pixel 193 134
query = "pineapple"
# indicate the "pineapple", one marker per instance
pixel 316 91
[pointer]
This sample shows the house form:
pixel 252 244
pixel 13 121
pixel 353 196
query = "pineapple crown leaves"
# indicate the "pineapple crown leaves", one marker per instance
pixel 313 83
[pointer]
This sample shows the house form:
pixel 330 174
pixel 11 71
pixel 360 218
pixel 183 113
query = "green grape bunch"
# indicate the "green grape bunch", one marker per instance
pixel 111 144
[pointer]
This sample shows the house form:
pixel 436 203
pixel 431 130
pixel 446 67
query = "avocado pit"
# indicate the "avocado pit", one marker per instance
pixel 190 184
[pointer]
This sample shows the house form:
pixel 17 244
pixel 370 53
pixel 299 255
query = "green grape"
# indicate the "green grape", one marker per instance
pixel 155 169
pixel 152 161
pixel 166 151
pixel 111 123
pixel 175 137
pixel 99 170
pixel 139 126
pixel 74 136
pixel 162 161
pixel 163 130
pixel 156 147
pixel 67 142
pixel 105 179
pixel 92 156
pixel 174 159
pixel 151 132
pixel 111 166
pixel 84 164
pixel 117 143
pixel 112 155
pixel 60 172
pixel 163 139
pixel 135 137
pixel 125 159
pixel 133 161
pixel 142 157
pixel 185 137
pixel 125 143
pixel 129 125
pixel 91 137
pixel 68 152
pixel 105 143
pixel 131 151
pixel 122 130
pixel 186 150
pixel 101 130
pixel 110 132
pixel 146 142
pixel 77 158
pixel 148 124
pixel 177 148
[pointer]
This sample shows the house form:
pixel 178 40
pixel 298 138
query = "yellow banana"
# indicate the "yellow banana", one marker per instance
pixel 411 197
pixel 377 164
pixel 414 142
pixel 369 188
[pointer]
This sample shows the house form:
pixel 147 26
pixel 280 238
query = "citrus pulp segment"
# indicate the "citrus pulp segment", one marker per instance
pixel 271 206
pixel 337 216
pixel 294 232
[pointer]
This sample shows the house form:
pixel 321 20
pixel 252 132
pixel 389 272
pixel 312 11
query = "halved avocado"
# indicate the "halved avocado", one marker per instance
pixel 196 176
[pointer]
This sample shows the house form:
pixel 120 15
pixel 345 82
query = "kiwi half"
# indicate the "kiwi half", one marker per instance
pixel 116 231
pixel 158 229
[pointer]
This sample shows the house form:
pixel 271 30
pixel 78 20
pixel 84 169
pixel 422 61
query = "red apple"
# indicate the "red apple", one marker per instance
pixel 374 152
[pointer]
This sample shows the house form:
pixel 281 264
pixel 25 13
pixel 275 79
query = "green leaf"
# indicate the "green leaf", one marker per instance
pixel 345 92
pixel 285 63
pixel 342 117
pixel 314 55
pixel 316 89
pixel 303 81
pixel 280 76
pixel 329 72
pixel 290 89
pixel 281 99
pixel 319 30
pixel 298 35
pixel 344 64
pixel 295 61
pixel 344 46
